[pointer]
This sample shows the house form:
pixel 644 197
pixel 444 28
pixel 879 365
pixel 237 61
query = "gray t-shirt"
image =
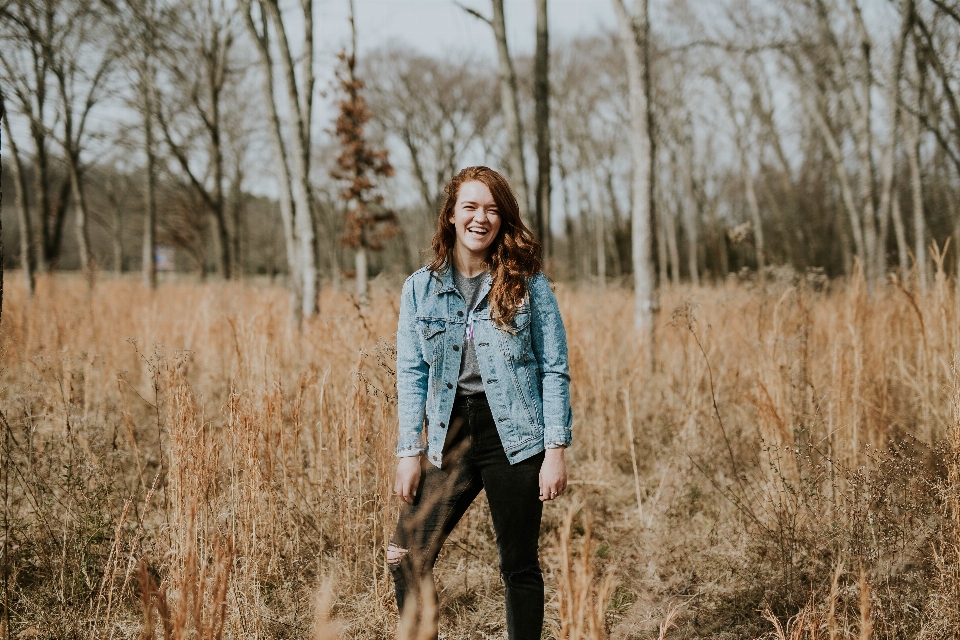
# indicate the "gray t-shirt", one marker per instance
pixel 469 383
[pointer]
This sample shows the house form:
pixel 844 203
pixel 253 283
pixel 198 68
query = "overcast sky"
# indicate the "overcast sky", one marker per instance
pixel 439 26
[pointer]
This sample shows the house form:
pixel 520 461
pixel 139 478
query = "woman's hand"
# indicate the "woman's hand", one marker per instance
pixel 407 479
pixel 553 474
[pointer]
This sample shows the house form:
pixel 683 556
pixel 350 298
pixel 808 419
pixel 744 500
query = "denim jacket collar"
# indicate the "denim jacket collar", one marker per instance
pixel 447 285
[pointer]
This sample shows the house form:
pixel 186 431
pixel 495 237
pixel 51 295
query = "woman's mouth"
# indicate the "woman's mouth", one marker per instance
pixel 477 232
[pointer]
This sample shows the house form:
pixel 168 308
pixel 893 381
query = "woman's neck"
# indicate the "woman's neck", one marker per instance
pixel 467 263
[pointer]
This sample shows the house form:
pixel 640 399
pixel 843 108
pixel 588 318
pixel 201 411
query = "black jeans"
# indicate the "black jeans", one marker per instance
pixel 474 459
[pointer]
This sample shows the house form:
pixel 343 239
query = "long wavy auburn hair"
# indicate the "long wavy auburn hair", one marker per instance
pixel 515 252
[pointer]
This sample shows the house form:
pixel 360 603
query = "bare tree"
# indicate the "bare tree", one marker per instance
pixel 885 210
pixel 27 264
pixel 81 58
pixel 261 37
pixel 936 39
pixel 634 30
pixel 293 151
pixel 28 30
pixel 835 74
pixel 541 91
pixel 912 142
pixel 742 143
pixel 198 63
pixel 138 25
pixel 510 103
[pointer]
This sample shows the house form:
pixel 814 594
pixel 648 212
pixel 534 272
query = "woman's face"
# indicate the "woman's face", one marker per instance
pixel 476 219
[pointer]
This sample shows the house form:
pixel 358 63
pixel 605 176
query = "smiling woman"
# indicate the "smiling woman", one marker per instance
pixel 484 397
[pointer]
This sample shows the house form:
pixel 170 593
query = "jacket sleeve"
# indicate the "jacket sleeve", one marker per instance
pixel 412 377
pixel 550 350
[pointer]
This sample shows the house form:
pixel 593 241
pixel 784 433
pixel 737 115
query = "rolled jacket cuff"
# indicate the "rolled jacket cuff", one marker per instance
pixel 554 437
pixel 409 453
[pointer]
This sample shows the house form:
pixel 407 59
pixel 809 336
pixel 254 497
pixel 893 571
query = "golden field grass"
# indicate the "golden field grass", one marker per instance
pixel 188 464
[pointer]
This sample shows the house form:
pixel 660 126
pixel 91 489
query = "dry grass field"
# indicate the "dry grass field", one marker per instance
pixel 188 464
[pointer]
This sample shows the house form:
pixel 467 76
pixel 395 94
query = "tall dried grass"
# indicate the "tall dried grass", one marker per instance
pixel 188 462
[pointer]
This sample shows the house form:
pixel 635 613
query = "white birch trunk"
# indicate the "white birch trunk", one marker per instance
pixel 300 149
pixel 634 32
pixel 360 262
pixel 511 110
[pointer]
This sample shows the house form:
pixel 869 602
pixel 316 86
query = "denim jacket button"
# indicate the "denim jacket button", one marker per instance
pixel 449 386
pixel 459 314
pixel 442 425
pixel 456 347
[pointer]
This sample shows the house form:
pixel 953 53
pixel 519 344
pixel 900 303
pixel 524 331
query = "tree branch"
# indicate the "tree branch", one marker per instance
pixel 476 14
pixel 950 11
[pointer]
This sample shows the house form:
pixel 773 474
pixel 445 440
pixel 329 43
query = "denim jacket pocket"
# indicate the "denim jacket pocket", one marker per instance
pixel 515 342
pixel 431 333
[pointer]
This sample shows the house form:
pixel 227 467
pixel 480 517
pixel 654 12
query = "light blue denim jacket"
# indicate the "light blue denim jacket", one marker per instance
pixel 525 373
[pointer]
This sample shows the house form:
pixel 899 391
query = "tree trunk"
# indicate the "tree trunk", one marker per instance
pixel 912 142
pixel 23 207
pixel 846 191
pixel 875 258
pixel 899 230
pixel 916 196
pixel 541 88
pixel 672 246
pixel 300 118
pixel 79 206
pixel 663 268
pixel 889 151
pixel 360 262
pixel 621 251
pixel 224 255
pixel 634 39
pixel 600 226
pixel 510 102
pixel 866 182
pixel 567 218
pixel 148 259
pixel 754 208
pixel 690 217
pixel 117 242
pixel 281 163
pixel 45 251
pixel 3 117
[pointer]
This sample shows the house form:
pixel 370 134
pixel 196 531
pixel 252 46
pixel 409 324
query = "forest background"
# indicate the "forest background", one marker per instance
pixel 749 210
